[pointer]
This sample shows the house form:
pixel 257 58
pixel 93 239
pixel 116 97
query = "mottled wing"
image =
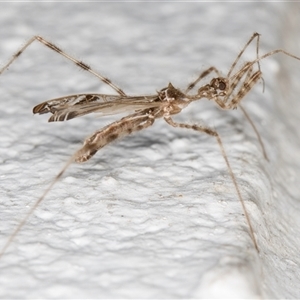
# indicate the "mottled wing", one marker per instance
pixel 69 107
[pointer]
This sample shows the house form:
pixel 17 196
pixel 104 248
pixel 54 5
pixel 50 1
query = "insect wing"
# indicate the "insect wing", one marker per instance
pixel 69 107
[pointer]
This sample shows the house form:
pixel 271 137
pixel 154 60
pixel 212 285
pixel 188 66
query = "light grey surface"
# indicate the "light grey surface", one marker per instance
pixel 156 214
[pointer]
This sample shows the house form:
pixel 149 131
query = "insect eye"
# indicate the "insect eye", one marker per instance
pixel 219 84
pixel 222 86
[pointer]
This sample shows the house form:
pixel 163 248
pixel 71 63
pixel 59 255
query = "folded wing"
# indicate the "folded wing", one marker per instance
pixel 72 106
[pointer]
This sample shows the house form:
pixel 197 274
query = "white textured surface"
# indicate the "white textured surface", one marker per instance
pixel 153 215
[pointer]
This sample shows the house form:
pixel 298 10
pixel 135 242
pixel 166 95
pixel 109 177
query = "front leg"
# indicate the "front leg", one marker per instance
pixel 244 90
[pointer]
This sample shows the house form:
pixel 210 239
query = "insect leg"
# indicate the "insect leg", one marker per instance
pixel 66 55
pixel 217 136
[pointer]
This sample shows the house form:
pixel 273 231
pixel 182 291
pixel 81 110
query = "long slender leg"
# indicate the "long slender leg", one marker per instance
pixel 258 58
pixel 211 132
pixel 244 90
pixel 237 78
pixel 255 35
pixel 69 57
pixel 235 101
pixel 274 52
pixel 36 204
pixel 256 132
pixel 99 139
pixel 201 76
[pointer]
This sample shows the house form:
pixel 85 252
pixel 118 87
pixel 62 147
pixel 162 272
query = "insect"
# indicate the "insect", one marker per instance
pixel 227 92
